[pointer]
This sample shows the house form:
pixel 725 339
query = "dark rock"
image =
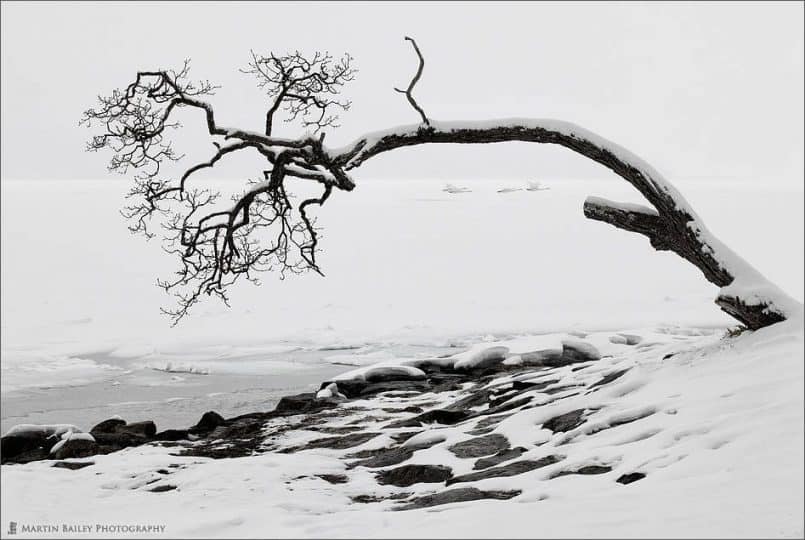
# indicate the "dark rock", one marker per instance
pixel 163 471
pixel 145 429
pixel 365 419
pixel 238 437
pixel 594 469
pixel 562 388
pixel 209 421
pixel 489 358
pixel 404 436
pixel 394 386
pixel 500 457
pixel 433 366
pixel 511 469
pixel 118 434
pixel 263 416
pixel 448 382
pixel 480 446
pixel 350 388
pixel 478 432
pixel 606 379
pixel 76 448
pixel 73 465
pixel 474 399
pixel 362 454
pixel 546 357
pixel 447 386
pixel 303 403
pixel 502 396
pixel 117 441
pixel 172 435
pixel 340 443
pixel 408 475
pixel 628 419
pixel 630 477
pixel 574 352
pixel 365 499
pixel 392 373
pixel 13 446
pixel 507 406
pixel 28 456
pixel 335 430
pixel 244 428
pixel 565 422
pixel 456 495
pixel 385 457
pixel 162 488
pixel 108 426
pixel 444 378
pixel 412 409
pixel 224 451
pixel 437 416
pixel 532 385
pixel 485 374
pixel 588 470
pixel 334 478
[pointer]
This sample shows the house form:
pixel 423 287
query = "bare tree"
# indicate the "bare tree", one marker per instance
pixel 216 247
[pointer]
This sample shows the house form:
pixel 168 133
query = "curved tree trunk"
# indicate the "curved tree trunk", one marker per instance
pixel 670 225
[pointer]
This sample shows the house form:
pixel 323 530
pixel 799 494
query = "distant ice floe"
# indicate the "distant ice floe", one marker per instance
pixel 450 188
pixel 530 186
pixel 171 367
pixel 536 186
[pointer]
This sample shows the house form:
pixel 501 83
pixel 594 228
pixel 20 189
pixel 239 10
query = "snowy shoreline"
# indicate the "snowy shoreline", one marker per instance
pixel 636 426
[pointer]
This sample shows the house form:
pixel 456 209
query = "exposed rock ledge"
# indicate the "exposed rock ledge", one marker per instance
pixel 405 404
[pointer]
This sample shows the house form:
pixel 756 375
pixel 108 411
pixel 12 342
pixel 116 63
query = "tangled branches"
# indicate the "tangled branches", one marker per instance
pixel 307 88
pixel 264 228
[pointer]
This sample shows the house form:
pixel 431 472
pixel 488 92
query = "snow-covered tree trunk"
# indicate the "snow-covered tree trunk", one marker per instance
pixel 669 224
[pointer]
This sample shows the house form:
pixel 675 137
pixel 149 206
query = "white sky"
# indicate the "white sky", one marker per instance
pixel 698 90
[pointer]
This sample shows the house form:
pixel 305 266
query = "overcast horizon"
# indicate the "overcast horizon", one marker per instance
pixel 698 90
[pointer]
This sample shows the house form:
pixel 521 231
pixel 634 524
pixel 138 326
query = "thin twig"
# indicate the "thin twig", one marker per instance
pixel 409 90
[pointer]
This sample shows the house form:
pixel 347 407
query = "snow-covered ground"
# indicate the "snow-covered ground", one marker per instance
pixel 714 424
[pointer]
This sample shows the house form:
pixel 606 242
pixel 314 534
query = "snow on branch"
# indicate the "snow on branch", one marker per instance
pixel 670 225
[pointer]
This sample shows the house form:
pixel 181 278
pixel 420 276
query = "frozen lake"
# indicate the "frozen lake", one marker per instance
pixel 139 389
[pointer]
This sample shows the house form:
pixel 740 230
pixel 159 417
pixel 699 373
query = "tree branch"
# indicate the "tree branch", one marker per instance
pixel 675 226
pixel 216 247
pixel 644 220
pixel 409 91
